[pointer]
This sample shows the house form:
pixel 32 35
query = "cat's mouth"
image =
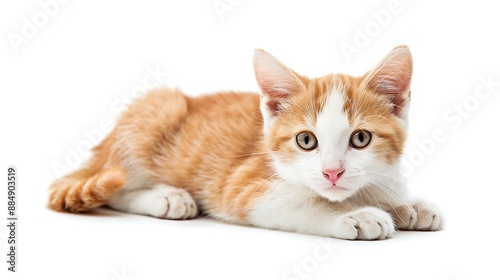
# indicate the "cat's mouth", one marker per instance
pixel 338 188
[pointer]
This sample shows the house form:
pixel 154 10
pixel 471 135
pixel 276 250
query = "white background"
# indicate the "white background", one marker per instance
pixel 73 73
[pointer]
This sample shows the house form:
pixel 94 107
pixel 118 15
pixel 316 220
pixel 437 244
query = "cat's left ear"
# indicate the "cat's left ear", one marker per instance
pixel 392 78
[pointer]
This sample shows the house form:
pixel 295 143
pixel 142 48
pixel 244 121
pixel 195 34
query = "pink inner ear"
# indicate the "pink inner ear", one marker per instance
pixel 273 106
pixel 396 87
pixel 276 96
pixel 275 80
pixel 275 99
pixel 392 77
pixel 275 90
pixel 391 83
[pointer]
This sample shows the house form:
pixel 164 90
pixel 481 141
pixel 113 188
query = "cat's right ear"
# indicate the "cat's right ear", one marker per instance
pixel 277 83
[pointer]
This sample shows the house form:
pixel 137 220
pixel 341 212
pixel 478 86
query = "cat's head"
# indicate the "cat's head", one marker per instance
pixel 336 134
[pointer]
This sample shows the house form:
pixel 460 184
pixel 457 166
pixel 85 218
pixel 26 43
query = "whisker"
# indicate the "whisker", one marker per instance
pixel 245 155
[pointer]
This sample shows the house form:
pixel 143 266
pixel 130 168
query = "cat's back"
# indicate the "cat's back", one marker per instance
pixel 212 138
pixel 169 130
pixel 236 110
pixel 164 110
pixel 222 124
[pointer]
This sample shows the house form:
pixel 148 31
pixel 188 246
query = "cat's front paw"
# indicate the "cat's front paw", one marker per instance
pixel 366 224
pixel 419 216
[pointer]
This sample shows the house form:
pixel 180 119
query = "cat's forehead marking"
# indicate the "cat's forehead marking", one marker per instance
pixel 332 125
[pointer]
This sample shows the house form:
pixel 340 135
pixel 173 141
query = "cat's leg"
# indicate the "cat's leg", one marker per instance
pixel 161 201
pixel 304 212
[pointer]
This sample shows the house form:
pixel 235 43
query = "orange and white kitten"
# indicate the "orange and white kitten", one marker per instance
pixel 317 156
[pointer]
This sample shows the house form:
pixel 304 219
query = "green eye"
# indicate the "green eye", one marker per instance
pixel 306 141
pixel 360 139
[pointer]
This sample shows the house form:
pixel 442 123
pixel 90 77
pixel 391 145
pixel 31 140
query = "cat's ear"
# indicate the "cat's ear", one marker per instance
pixel 392 78
pixel 277 82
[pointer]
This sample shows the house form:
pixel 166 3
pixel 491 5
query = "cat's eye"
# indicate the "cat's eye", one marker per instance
pixel 306 141
pixel 360 139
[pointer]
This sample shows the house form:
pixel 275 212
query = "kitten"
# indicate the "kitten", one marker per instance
pixel 316 156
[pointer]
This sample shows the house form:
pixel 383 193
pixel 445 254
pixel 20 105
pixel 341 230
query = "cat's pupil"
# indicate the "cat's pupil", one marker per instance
pixel 306 139
pixel 361 137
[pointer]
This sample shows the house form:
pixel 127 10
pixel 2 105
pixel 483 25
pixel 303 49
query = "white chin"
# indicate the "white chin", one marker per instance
pixel 335 195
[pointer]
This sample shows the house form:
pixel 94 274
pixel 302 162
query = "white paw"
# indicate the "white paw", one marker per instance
pixel 420 216
pixel 428 217
pixel 173 203
pixel 367 224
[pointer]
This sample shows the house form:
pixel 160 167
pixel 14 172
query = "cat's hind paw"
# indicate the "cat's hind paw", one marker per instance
pixel 177 204
pixel 161 201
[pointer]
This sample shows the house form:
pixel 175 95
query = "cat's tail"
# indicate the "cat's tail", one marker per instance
pixel 85 189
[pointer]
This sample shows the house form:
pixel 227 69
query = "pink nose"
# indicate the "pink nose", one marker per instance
pixel 333 174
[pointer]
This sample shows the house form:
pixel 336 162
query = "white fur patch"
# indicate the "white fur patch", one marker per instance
pixel 161 201
pixel 291 208
pixel 333 131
